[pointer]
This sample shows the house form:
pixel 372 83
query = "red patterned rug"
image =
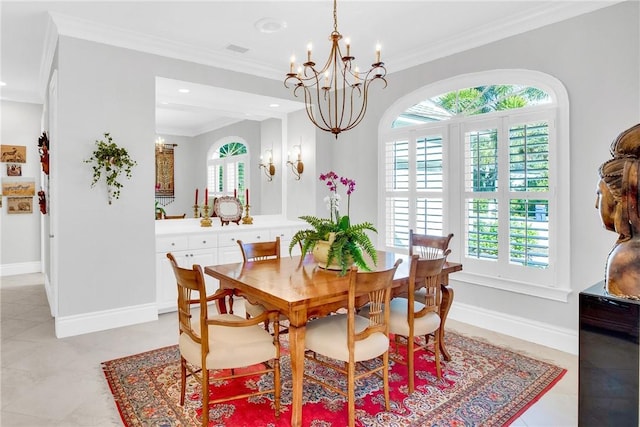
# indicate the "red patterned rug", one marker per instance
pixel 483 385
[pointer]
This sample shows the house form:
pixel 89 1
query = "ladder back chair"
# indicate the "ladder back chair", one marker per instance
pixel 428 246
pixel 350 338
pixel 175 216
pixel 410 319
pixel 260 251
pixel 221 342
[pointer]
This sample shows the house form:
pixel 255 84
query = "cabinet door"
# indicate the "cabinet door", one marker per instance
pixel 167 291
pixel 228 249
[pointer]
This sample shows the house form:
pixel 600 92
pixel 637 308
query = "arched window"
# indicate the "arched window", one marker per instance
pixel 228 168
pixel 482 156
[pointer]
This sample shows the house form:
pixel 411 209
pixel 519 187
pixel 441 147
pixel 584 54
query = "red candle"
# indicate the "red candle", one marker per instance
pixel 235 193
pixel 206 197
pixel 246 196
pixel 196 197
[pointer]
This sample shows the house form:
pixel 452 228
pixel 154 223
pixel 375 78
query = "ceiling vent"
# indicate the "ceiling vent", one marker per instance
pixel 236 48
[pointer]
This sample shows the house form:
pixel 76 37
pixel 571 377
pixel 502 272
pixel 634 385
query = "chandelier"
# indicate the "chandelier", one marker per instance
pixel 335 96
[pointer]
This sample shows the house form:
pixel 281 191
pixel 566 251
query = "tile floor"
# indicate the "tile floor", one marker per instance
pixel 58 382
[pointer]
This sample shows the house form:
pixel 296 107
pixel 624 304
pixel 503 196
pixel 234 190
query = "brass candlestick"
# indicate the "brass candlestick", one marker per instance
pixel 247 219
pixel 205 221
pixel 195 211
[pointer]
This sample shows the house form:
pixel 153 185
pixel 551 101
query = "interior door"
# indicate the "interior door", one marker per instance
pixel 49 243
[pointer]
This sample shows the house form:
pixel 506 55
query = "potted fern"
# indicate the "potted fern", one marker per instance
pixel 335 242
pixel 112 161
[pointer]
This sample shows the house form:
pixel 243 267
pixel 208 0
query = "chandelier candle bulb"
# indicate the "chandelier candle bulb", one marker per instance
pixel 378 48
pixel 309 52
pixel 347 42
pixel 293 64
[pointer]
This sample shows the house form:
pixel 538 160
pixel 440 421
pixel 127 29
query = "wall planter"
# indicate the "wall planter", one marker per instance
pixel 110 161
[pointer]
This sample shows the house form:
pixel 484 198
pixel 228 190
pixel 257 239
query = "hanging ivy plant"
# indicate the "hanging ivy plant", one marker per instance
pixel 111 161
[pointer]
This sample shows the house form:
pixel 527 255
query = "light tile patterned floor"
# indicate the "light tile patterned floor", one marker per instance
pixel 51 382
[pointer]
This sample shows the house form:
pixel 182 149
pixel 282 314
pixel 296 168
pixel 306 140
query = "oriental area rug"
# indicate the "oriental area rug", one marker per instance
pixel 483 385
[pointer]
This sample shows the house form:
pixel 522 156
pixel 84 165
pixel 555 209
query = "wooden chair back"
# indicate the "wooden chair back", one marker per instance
pixel 259 251
pixel 175 216
pixel 377 286
pixel 424 273
pixel 188 282
pixel 429 246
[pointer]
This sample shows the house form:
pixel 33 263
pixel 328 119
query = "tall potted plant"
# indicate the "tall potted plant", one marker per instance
pixel 112 161
pixel 345 243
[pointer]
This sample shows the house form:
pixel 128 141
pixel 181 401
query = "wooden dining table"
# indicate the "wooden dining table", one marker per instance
pixel 301 290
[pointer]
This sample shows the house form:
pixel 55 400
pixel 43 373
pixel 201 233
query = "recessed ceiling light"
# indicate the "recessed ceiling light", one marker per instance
pixel 274 105
pixel 184 90
pixel 270 25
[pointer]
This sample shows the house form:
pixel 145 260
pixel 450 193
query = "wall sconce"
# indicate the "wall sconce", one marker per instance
pixel 269 169
pixel 297 167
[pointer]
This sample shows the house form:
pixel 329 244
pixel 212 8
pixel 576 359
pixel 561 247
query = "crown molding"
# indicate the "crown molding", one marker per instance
pixel 105 34
pixel 525 21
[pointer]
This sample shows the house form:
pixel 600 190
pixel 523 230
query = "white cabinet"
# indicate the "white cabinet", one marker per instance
pixel 187 250
pixel 190 244
pixel 228 249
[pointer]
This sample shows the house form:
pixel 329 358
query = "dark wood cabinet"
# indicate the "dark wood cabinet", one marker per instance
pixel 608 359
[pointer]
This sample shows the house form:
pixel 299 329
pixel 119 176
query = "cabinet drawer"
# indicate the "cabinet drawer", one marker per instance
pixel 230 239
pixel 203 241
pixel 169 244
pixel 284 233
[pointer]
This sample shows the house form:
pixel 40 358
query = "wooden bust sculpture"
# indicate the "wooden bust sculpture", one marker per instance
pixel 618 205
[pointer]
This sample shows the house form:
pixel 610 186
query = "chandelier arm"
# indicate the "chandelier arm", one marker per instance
pixel 309 110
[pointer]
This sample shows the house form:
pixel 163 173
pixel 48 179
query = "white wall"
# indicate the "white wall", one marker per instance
pixel 20 241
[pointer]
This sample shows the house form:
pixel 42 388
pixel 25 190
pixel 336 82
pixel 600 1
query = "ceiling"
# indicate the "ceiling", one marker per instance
pixel 255 37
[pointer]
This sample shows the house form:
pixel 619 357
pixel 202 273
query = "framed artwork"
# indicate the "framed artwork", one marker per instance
pixel 14 169
pixel 13 153
pixel 165 184
pixel 19 205
pixel 16 187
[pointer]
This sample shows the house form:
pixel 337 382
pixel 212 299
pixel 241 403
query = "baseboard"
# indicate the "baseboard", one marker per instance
pixel 20 268
pixel 68 326
pixel 562 339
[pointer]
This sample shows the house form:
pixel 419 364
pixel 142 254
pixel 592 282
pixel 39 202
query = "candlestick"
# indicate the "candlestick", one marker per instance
pixel 195 210
pixel 247 218
pixel 205 221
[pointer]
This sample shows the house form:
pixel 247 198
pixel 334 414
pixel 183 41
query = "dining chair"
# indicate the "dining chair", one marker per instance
pixel 349 338
pixel 221 341
pixel 260 251
pixel 429 246
pixel 411 319
pixel 175 216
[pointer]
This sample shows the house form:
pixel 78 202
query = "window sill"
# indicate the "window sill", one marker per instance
pixel 532 289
